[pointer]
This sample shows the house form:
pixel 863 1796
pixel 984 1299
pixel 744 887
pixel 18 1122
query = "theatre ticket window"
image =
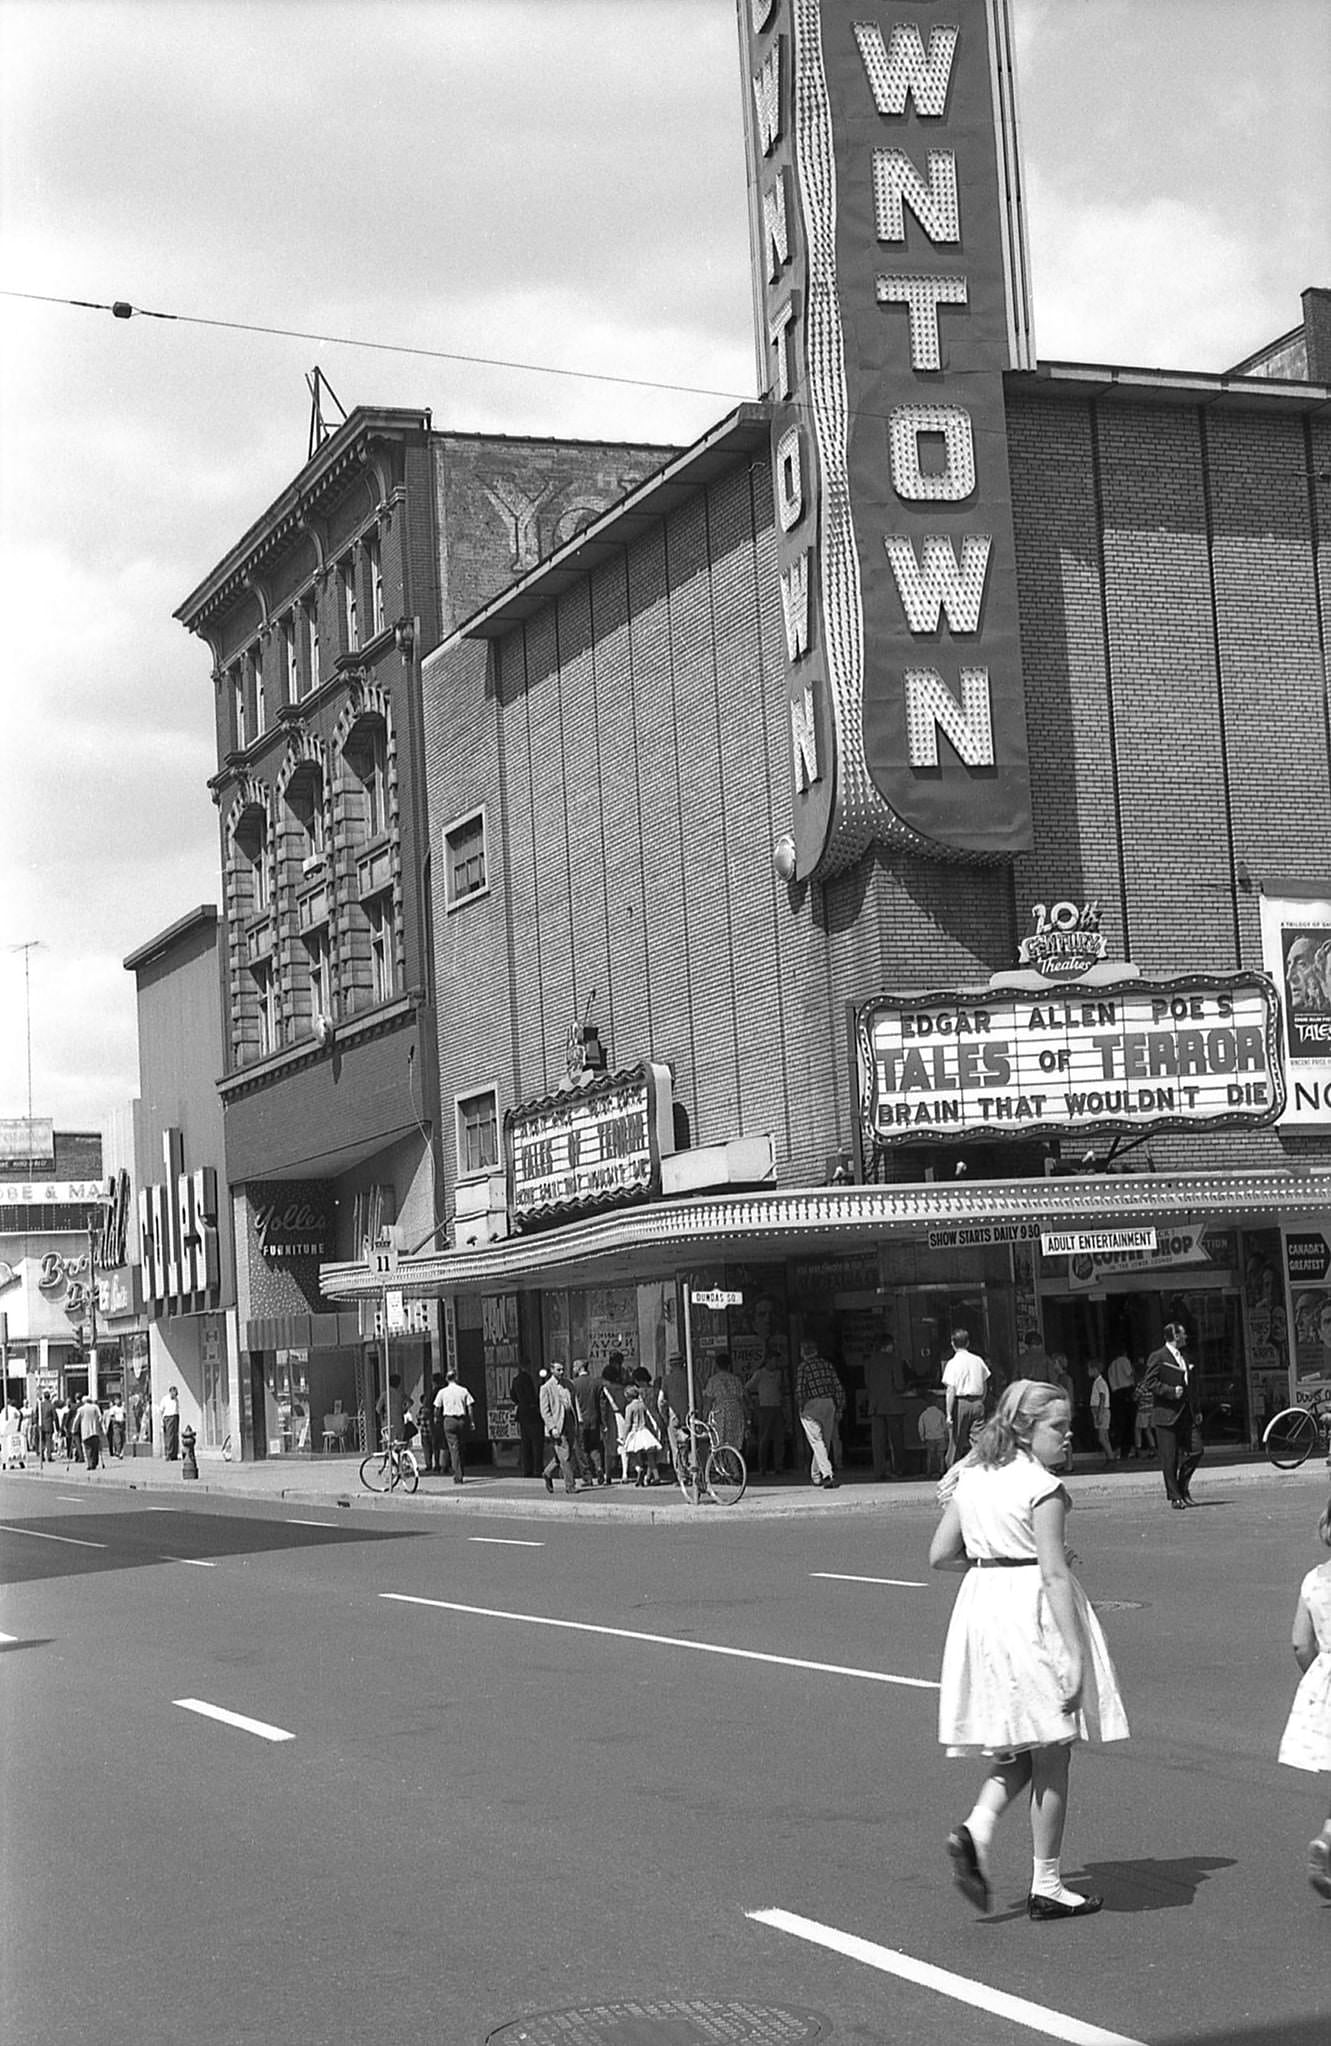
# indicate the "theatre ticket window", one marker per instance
pixel 464 859
pixel 477 1133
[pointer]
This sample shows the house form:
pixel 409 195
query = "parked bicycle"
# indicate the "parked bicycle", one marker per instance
pixel 704 1463
pixel 390 1469
pixel 1291 1437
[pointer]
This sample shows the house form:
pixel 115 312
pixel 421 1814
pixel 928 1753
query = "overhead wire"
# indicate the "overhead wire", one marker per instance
pixel 121 309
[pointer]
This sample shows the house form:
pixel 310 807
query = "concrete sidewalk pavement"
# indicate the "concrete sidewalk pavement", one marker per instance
pixel 334 1482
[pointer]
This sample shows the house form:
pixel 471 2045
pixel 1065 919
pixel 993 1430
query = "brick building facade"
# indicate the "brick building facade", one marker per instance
pixel 388 537
pixel 618 720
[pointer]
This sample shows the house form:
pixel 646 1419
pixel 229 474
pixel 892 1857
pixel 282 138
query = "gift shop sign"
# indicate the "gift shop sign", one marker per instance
pixel 590 1147
pixel 890 277
pixel 1200 1051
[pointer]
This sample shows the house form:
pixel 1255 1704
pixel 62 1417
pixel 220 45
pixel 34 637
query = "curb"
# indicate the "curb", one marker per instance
pixel 787 1502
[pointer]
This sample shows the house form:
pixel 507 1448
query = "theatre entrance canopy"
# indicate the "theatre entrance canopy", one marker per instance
pixel 665 1239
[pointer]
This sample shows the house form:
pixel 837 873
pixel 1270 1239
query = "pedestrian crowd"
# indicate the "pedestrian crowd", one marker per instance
pixel 74 1430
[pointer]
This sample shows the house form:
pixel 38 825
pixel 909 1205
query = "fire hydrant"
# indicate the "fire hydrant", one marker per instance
pixel 189 1467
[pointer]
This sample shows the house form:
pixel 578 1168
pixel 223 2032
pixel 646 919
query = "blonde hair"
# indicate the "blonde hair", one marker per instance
pixel 1023 1405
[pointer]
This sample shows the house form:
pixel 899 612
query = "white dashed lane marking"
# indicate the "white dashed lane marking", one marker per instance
pixel 827 1669
pixel 504 1542
pixel 844 1577
pixel 39 1535
pixel 238 1719
pixel 1018 2010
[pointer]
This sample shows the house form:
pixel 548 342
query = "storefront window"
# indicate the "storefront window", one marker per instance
pixel 212 1343
pixel 287 1404
pixel 138 1387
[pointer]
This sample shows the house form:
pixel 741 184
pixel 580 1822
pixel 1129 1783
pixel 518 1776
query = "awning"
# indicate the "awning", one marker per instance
pixel 667 1237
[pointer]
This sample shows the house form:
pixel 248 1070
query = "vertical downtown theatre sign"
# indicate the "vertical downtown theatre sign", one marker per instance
pixel 891 274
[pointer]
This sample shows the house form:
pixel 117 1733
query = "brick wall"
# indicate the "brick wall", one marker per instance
pixel 630 743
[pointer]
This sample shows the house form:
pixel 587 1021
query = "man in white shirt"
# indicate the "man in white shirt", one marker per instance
pixel 171 1425
pixel 453 1406
pixel 965 1376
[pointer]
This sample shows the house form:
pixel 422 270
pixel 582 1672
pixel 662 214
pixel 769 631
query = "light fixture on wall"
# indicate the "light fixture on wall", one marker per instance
pixel 323 1031
pixel 784 857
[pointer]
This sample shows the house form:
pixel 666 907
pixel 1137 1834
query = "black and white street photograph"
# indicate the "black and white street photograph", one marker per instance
pixel 665 1022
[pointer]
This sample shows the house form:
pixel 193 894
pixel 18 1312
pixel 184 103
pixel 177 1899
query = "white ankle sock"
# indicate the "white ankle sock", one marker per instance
pixel 1047 1881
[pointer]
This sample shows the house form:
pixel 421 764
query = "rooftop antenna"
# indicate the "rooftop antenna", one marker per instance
pixel 32 945
pixel 321 428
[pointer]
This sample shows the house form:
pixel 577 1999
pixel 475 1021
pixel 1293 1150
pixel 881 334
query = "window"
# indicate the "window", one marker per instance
pixel 240 723
pixel 346 576
pixel 251 843
pixel 319 955
pixel 290 660
pixel 379 918
pixel 464 859
pixel 366 756
pixel 478 1133
pixel 256 672
pixel 265 1007
pixel 305 801
pixel 309 619
pixel 374 571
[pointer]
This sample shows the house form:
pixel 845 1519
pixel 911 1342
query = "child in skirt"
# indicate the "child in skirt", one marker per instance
pixel 642 1437
pixel 1306 1742
pixel 1026 1672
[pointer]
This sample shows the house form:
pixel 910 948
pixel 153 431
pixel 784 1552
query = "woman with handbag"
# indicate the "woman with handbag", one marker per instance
pixel 453 1404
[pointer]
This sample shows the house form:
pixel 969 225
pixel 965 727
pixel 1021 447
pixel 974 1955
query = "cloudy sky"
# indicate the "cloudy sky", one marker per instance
pixel 398 184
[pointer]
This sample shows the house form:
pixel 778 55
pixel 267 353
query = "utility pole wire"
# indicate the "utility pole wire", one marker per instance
pixel 120 309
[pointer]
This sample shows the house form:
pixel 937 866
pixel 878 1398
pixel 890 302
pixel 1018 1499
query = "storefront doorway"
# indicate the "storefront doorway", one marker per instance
pixel 1090 1328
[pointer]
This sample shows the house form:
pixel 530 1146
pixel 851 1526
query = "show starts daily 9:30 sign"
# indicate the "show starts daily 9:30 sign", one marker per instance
pixel 889 261
pixel 1131 1055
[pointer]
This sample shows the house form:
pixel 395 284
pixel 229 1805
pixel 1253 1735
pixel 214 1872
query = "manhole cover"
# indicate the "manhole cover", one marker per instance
pixel 1118 1605
pixel 669 2021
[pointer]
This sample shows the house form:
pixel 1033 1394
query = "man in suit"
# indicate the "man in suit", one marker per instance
pixel 1168 1381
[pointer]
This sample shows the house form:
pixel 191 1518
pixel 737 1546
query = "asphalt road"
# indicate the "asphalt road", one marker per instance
pixel 477 1815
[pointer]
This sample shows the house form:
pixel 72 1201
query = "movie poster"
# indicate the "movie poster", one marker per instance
pixel 1296 952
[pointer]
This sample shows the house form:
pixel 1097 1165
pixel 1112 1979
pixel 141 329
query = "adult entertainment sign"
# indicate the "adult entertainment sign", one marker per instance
pixel 889 266
pixel 1133 1055
pixel 589 1147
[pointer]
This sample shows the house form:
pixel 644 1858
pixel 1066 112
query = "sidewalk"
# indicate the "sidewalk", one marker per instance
pixel 334 1482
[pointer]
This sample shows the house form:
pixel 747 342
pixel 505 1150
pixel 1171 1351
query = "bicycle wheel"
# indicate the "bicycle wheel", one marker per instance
pixel 226 1450
pixel 726 1475
pixel 374 1472
pixel 407 1475
pixel 1290 1437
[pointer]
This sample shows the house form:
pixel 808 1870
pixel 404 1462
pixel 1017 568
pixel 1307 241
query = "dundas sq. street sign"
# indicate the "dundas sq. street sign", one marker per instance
pixel 1196 1051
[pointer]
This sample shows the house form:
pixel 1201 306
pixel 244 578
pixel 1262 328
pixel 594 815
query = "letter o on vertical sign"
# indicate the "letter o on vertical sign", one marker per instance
pixel 956 481
pixel 788 479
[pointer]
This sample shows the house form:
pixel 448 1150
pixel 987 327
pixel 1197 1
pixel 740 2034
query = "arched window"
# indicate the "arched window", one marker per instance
pixel 365 782
pixel 305 805
pixel 250 839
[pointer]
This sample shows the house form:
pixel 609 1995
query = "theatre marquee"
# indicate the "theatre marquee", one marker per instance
pixel 1136 1055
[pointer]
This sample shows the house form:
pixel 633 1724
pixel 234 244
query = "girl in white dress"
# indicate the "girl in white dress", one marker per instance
pixel 1025 1668
pixel 1306 1742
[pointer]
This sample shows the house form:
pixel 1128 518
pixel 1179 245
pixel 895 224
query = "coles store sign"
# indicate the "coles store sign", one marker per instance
pixel 1173 1054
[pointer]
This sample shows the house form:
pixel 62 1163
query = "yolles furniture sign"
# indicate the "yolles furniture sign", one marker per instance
pixel 1133 1055
pixel 887 242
